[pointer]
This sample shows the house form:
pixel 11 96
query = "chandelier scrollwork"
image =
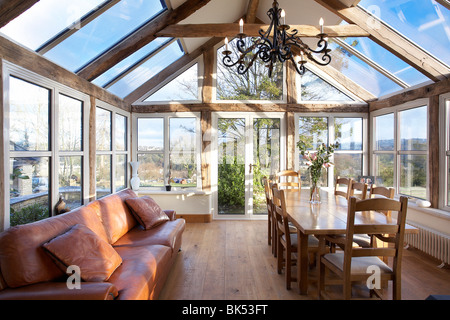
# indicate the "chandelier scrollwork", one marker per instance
pixel 276 43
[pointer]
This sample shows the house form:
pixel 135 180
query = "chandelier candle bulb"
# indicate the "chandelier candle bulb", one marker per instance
pixel 226 44
pixel 321 25
pixel 241 26
pixel 283 17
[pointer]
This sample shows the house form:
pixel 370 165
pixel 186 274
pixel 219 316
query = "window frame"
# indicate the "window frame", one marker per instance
pixel 331 139
pixel 113 152
pixel 166 125
pixel 444 150
pixel 54 154
pixel 397 152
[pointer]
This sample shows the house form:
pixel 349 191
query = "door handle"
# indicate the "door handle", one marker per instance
pixel 252 165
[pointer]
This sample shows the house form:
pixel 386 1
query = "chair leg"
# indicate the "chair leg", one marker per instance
pixel 269 230
pixel 288 270
pixel 321 276
pixel 279 256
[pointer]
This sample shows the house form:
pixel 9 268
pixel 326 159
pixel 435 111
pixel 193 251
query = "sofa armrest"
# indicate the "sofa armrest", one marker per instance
pixel 171 214
pixel 59 291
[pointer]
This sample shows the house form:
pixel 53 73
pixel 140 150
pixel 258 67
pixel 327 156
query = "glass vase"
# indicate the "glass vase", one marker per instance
pixel 314 197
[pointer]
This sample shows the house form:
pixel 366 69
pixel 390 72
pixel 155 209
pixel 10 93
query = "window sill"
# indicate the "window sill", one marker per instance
pixel 439 213
pixel 172 192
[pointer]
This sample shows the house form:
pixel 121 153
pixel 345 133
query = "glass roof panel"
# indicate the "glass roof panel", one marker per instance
pixel 103 32
pixel 425 22
pixel 130 61
pixel 360 72
pixel 387 60
pixel 147 70
pixel 46 19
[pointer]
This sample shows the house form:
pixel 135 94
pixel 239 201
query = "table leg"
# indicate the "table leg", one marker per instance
pixel 302 262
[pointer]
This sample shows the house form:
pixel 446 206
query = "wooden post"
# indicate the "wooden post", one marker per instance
pixel 92 149
pixel 433 150
pixel 4 162
pixel 206 149
pixel 208 65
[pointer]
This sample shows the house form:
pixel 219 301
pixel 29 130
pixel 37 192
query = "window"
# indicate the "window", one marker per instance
pixel 47 133
pixel 112 154
pixel 445 151
pixel 347 130
pixel 314 88
pixel 400 149
pixel 168 150
pixel 253 85
pixel 184 87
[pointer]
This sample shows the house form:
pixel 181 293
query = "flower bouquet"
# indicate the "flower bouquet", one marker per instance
pixel 321 158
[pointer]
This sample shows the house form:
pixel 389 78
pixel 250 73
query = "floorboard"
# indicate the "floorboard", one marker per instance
pixel 231 260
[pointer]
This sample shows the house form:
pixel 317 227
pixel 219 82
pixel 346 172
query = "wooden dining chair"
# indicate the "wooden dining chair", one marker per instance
pixel 268 193
pixel 358 264
pixel 360 187
pixel 287 241
pixel 289 180
pixel 367 240
pixel 347 182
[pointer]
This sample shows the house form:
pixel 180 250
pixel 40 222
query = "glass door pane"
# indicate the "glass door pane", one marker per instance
pixel 231 166
pixel 266 158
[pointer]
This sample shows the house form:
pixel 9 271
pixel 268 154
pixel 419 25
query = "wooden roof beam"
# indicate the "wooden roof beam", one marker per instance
pixel 390 40
pixel 252 30
pixel 11 9
pixel 140 38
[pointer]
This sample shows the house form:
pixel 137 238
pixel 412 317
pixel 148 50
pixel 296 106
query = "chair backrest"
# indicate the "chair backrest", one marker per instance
pixel 279 209
pixel 359 186
pixel 289 180
pixel 268 192
pixel 395 231
pixel 384 192
pixel 343 181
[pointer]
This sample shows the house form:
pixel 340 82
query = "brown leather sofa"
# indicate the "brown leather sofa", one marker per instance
pixel 28 272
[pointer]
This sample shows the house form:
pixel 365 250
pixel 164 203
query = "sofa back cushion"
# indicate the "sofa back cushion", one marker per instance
pixel 23 260
pixel 115 214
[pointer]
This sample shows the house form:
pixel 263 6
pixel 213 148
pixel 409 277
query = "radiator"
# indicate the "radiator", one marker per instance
pixel 430 241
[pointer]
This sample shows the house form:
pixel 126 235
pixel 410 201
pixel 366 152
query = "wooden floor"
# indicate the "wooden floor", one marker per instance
pixel 231 260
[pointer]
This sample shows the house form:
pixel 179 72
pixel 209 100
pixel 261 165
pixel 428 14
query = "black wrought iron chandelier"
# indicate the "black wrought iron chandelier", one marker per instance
pixel 276 43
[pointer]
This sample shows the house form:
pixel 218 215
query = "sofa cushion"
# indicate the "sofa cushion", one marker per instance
pixel 165 234
pixel 95 257
pixel 23 261
pixel 115 214
pixel 140 270
pixel 147 212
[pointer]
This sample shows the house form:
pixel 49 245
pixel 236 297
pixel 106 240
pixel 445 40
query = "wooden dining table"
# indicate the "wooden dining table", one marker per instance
pixel 327 218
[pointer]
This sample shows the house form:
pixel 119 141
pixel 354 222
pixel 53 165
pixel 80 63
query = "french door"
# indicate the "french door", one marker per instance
pixel 246 147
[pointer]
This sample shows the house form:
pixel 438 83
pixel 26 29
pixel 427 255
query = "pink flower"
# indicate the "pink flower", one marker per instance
pixel 326 165
pixel 313 156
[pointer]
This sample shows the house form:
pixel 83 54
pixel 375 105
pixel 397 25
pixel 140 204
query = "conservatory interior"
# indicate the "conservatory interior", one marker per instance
pixel 200 105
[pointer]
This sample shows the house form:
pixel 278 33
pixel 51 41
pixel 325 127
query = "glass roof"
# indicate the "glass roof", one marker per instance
pixel 103 32
pixel 387 60
pixel 147 70
pixel 425 22
pixel 127 63
pixel 30 30
pixel 360 72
